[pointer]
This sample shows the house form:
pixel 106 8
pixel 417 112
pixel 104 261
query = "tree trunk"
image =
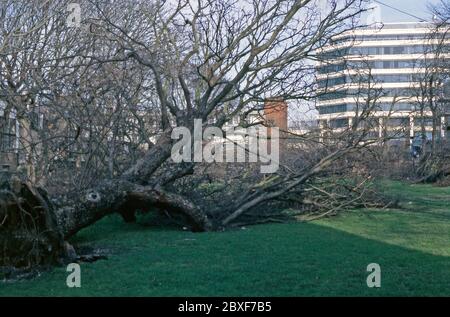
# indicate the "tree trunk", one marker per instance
pixel 29 233
pixel 33 230
pixel 125 197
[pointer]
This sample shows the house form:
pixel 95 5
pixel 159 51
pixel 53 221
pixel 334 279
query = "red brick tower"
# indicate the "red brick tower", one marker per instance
pixel 276 115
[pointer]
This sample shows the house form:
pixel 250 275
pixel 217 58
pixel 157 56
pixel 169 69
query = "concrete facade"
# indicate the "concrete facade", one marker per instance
pixel 394 60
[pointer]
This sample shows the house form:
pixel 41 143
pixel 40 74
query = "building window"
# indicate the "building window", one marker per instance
pixel 398 122
pixel 339 123
pixel 7 134
pixel 332 109
pixel 398 50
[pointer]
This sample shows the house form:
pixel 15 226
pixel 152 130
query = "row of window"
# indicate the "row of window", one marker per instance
pixel 370 65
pixel 426 122
pixel 379 107
pixel 336 95
pixel 384 92
pixel 338 123
pixel 332 109
pixel 394 64
pixel 387 50
pixel 329 82
pixel 390 122
pixel 391 78
pixel 380 37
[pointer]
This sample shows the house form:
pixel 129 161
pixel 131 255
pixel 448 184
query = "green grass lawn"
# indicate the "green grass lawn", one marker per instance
pixel 325 257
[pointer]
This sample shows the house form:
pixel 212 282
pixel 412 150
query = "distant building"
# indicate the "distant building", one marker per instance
pixel 392 57
pixel 8 142
pixel 19 139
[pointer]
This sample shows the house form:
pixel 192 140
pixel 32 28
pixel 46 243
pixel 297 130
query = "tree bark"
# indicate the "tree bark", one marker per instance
pixel 118 196
pixel 36 215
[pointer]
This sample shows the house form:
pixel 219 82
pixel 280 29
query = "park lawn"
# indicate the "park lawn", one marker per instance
pixel 327 257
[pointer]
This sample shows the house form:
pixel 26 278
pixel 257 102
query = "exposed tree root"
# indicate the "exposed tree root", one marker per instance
pixel 33 232
pixel 29 234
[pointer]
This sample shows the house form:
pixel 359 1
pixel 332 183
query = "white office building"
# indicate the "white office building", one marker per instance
pixel 391 63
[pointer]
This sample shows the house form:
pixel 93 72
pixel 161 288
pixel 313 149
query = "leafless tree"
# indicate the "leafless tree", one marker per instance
pixel 132 72
pixel 432 99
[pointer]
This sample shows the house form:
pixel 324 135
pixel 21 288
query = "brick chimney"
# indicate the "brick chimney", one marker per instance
pixel 275 113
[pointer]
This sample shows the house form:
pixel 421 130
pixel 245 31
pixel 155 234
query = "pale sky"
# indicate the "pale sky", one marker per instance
pixel 417 8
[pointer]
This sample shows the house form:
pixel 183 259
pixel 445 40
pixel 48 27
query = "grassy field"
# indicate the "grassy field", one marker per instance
pixel 325 257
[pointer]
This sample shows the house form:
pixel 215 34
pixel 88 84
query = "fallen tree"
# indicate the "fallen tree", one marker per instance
pixel 35 229
pixel 212 61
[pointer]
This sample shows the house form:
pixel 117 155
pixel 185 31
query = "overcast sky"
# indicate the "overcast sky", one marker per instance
pixel 417 8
